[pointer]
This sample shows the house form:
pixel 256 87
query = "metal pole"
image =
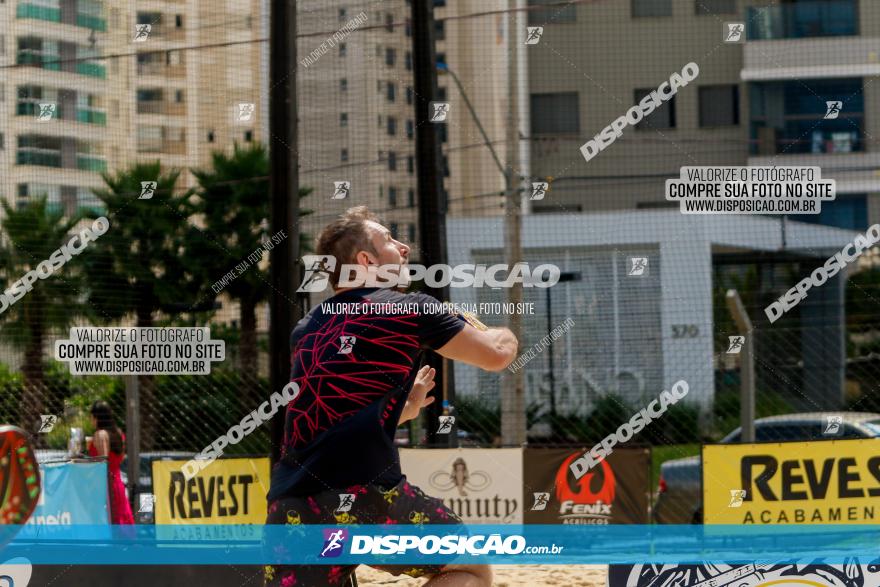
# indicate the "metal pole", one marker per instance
pixel 513 404
pixel 284 269
pixel 432 207
pixel 747 365
pixel 550 356
pixel 132 437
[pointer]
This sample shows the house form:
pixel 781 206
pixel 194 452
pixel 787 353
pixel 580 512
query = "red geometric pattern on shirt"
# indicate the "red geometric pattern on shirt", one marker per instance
pixel 334 387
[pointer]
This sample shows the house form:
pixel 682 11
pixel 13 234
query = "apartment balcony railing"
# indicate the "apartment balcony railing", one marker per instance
pixel 88 20
pixel 175 71
pixel 38 59
pixel 91 163
pixel 167 33
pixel 162 146
pixel 772 141
pixel 37 156
pixel 92 69
pixel 31 107
pixel 38 12
pixel 161 107
pixel 812 18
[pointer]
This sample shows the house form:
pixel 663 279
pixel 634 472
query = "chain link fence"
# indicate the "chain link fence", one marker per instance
pixel 642 301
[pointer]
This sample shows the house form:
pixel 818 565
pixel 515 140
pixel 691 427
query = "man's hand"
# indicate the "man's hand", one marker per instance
pixel 418 396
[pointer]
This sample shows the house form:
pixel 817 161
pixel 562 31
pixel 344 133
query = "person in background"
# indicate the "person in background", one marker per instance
pixel 109 441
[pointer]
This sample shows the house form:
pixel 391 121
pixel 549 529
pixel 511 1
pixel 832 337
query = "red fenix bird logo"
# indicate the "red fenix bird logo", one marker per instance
pixel 590 496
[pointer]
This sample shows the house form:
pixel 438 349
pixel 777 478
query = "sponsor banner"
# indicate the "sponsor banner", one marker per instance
pixel 230 491
pixel 613 492
pixel 482 486
pixel 804 573
pixel 823 482
pixel 616 544
pixel 72 494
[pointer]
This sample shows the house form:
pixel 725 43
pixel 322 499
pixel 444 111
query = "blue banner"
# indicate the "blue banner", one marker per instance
pixel 73 494
pixel 411 544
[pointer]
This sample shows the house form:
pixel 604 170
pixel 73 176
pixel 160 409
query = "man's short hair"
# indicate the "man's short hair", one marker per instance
pixel 345 236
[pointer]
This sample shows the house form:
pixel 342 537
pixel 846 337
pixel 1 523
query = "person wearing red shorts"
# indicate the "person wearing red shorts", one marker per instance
pixel 359 378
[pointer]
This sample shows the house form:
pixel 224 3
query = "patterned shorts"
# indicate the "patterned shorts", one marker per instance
pixel 403 504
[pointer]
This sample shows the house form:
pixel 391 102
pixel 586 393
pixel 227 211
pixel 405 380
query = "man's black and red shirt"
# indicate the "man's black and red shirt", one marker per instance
pixel 354 372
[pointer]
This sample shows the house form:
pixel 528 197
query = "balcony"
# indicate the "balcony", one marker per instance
pixel 38 12
pixel 91 69
pixel 93 163
pixel 88 14
pixel 37 156
pixel 160 68
pixel 39 59
pixel 91 116
pixel 166 147
pixel 809 19
pixel 161 107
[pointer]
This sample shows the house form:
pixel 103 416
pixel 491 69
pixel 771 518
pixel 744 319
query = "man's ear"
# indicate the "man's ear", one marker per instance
pixel 363 257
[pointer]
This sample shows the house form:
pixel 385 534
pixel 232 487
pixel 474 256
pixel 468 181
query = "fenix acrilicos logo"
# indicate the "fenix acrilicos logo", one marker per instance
pixel 587 500
pixel 319 267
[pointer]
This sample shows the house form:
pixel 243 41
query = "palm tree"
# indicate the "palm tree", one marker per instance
pixel 141 265
pixel 233 206
pixel 33 233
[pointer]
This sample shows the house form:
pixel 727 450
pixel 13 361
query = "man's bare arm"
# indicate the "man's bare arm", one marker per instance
pixel 492 349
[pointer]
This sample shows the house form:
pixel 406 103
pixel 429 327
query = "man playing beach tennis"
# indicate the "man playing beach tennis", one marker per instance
pixel 359 379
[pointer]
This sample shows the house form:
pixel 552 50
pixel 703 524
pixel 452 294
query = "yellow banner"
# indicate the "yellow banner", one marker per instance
pixel 825 482
pixel 228 491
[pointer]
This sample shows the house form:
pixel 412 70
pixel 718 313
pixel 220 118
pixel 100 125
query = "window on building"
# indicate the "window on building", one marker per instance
pixel 555 113
pixel 343 85
pixel 411 129
pixel 343 49
pixel 210 136
pixel 551 15
pixel 790 116
pixel 439 3
pixel 391 91
pixel 389 22
pixel 443 131
pixel 393 228
pixel 178 21
pixel 2 142
pixel 392 126
pixel 445 166
pixel 412 232
pixel 411 164
pixel 441 58
pixel 715 6
pixel 439 30
pixel 651 8
pixel 178 96
pixel 392 197
pixel 390 56
pixel 407 60
pixel 411 198
pixel 392 161
pixel 719 105
pixel 342 14
pixel 441 94
pixel 343 119
pixel 408 28
pixel 248 136
pixel 343 155
pixel 409 95
pixel 662 117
